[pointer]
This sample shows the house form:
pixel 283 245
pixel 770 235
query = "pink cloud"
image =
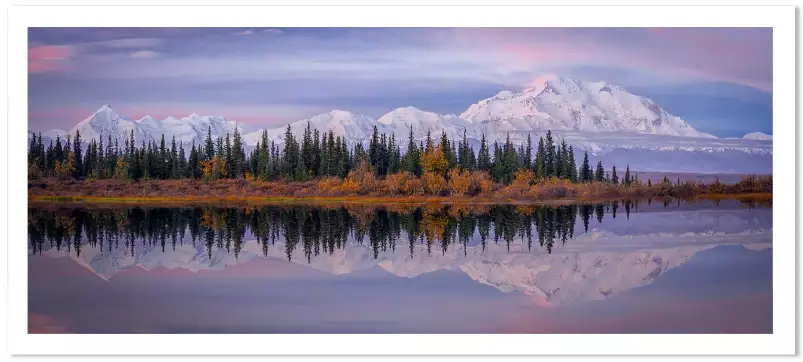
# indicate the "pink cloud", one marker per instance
pixel 49 57
pixel 734 55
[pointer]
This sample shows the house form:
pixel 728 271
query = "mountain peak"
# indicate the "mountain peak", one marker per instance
pixel 106 108
pixel 758 136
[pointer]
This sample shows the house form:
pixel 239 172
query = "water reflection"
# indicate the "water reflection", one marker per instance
pixel 552 256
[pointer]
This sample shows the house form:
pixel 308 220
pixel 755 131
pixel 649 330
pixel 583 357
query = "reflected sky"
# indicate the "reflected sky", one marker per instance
pixel 679 268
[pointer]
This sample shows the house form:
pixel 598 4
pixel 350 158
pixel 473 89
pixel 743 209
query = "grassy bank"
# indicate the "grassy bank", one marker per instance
pixel 366 189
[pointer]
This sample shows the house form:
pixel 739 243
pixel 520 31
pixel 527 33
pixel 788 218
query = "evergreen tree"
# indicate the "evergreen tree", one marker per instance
pixel 540 160
pixel 193 169
pixel 394 162
pixel 614 177
pixel 412 158
pixel 627 179
pixel 571 165
pixel 316 153
pixel 585 170
pixel 229 169
pixel 181 167
pixel 237 155
pixel 559 162
pixel 290 155
pixel 599 174
pixel 175 172
pixel 566 161
pixel 209 150
pixel 549 156
pixel 484 156
pixel 78 155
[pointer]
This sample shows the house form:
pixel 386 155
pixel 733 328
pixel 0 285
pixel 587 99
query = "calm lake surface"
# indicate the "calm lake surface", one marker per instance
pixel 618 267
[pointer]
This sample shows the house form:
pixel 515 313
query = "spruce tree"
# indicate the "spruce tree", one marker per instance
pixel 209 150
pixel 484 156
pixel 237 155
pixel 78 154
pixel 181 169
pixel 528 153
pixel 614 177
pixel 572 166
pixel 627 179
pixel 540 160
pixel 175 172
pixel 549 156
pixel 599 174
pixel 585 170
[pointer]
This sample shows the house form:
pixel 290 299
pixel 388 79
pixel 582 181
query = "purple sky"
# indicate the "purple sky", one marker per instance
pixel 720 79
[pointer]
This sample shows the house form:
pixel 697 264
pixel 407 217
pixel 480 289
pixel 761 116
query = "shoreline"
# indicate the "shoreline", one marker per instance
pixel 34 200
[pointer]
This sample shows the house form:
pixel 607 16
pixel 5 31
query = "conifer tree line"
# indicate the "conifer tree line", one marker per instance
pixel 314 155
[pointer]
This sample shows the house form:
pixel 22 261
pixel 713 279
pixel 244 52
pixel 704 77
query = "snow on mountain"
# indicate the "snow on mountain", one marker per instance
pixel 354 127
pixel 559 103
pixel 758 136
pixel 399 121
pixel 610 123
pixel 107 122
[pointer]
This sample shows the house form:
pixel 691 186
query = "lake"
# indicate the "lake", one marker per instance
pixel 618 267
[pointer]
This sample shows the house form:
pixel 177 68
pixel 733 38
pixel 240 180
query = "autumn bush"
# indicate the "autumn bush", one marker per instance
pixel 403 183
pixel 458 182
pixel 434 184
pixel 362 181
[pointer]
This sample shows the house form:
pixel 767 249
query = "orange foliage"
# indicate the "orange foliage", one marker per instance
pixel 403 183
pixel 434 160
pixel 434 184
pixel 458 182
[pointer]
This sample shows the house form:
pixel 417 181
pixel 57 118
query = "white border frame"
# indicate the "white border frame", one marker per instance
pixel 780 18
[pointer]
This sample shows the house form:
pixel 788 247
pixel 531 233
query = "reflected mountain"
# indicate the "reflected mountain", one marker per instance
pixel 556 255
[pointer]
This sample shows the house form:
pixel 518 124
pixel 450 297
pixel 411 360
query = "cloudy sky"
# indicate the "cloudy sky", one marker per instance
pixel 719 79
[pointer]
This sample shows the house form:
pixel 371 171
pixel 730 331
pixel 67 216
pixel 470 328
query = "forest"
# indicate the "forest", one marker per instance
pixel 324 165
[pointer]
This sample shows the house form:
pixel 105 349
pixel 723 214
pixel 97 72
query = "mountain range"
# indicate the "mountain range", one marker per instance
pixel 614 125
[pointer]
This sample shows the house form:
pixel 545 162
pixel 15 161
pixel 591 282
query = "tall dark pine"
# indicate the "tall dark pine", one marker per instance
pixel 539 167
pixel 484 156
pixel 412 159
pixel 572 165
pixel 182 162
pixel 79 159
pixel 627 179
pixel 586 174
pixel 238 154
pixel 614 176
pixel 528 152
pixel 549 156
pixel 209 148
pixel 599 174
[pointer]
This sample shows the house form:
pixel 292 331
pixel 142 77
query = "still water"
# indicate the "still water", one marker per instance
pixel 618 267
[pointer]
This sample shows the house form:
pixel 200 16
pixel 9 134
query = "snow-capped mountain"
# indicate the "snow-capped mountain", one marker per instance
pixel 613 125
pixel 758 136
pixel 354 127
pixel 107 122
pixel 399 121
pixel 559 103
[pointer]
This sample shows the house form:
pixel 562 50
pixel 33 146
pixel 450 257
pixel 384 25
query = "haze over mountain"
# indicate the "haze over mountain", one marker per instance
pixel 606 120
